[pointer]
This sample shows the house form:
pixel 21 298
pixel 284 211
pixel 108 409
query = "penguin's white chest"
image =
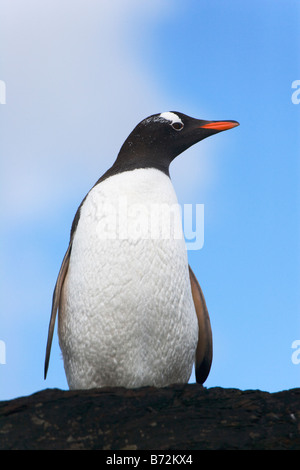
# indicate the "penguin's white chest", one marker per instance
pixel 127 316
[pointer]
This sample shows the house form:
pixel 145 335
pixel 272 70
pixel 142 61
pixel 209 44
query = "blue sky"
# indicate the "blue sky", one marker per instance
pixel 79 76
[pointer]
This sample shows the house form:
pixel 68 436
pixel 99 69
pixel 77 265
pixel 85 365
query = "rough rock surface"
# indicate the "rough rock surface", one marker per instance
pixel 180 417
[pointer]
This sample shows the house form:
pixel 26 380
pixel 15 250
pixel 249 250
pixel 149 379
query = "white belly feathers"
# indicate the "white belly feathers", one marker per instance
pixel 127 316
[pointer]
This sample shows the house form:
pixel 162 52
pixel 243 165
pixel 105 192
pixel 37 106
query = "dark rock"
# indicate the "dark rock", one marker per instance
pixel 180 417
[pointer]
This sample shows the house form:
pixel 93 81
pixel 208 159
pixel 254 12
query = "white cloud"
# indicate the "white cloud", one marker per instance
pixel 74 92
pixel 76 86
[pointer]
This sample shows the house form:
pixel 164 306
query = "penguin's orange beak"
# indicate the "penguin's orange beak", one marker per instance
pixel 220 125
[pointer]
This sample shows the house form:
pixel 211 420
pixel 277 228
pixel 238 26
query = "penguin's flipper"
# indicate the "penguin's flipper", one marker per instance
pixel 204 349
pixel 55 303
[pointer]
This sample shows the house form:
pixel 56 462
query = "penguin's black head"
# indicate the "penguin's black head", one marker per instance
pixel 158 139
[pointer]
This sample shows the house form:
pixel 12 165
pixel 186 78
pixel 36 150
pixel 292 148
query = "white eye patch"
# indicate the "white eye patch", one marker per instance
pixel 172 117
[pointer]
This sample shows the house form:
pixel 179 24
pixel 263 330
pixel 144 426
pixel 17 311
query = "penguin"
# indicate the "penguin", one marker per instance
pixel 131 312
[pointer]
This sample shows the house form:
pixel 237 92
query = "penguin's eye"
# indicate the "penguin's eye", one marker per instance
pixel 177 126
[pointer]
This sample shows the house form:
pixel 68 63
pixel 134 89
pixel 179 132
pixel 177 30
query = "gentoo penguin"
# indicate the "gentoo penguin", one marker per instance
pixel 131 312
